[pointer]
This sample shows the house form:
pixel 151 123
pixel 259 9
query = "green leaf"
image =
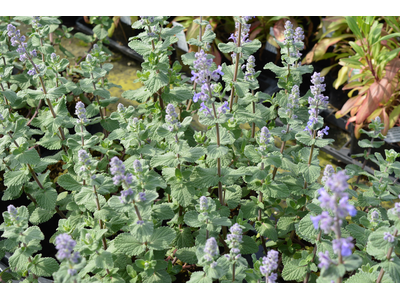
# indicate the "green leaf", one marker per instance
pixel 104 260
pixel 199 277
pixel 28 157
pixel 178 94
pixel 305 229
pixel 215 151
pixel 292 271
pixel 67 182
pixel 248 246
pixel 168 160
pixel 30 234
pixel 305 138
pixel 40 215
pixel 127 244
pixel 19 260
pixel 228 47
pixel 183 193
pixel 162 212
pixel 377 246
pixel 267 230
pixel 109 124
pixel 156 82
pixel 362 277
pixel 13 178
pixel 310 173
pixel 392 267
pixel 100 32
pixel 352 262
pixel 351 21
pixel 187 255
pixel 184 238
pixel 159 276
pixel 46 198
pixel 161 238
pixel 191 218
pixel 46 266
pixel 84 37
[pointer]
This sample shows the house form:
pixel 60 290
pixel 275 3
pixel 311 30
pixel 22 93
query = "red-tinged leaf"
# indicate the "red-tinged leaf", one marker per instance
pixel 254 33
pixel 350 120
pixel 392 69
pixel 357 128
pixel 352 85
pixel 351 103
pixel 386 121
pixel 376 93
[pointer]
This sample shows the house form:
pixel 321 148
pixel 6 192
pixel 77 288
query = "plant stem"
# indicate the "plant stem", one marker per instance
pixel 189 102
pixel 388 255
pixel 253 128
pixel 233 271
pixel 282 149
pixel 102 226
pixel 260 199
pixel 5 98
pixel 312 260
pixel 239 38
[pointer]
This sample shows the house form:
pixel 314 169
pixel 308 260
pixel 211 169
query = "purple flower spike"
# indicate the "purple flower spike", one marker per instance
pixel 388 237
pixel 65 245
pixel 324 260
pixel 343 245
pixel 211 249
pixel 337 183
pixel 269 264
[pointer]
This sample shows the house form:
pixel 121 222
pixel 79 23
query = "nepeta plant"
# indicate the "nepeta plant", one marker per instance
pixel 154 196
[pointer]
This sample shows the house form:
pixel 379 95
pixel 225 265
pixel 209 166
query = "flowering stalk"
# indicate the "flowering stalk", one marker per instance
pixel 338 204
pixel 234 239
pixel 319 100
pixel 389 254
pixel 18 40
pixel 270 263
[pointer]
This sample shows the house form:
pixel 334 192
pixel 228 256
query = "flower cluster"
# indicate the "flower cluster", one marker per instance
pixel 203 76
pixel 264 138
pixel 171 118
pixel 269 264
pixel 203 204
pixel 65 245
pixel 293 39
pixel 118 170
pixel 35 22
pixel 244 32
pixel 137 166
pixel 388 237
pixel 80 111
pixel 211 251
pixel 396 209
pixel 223 108
pixel 234 239
pixel 339 205
pixel 250 71
pixel 120 108
pixel 374 216
pixel 324 260
pixel 83 157
pixel 316 102
pixel 13 213
pixel 18 40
